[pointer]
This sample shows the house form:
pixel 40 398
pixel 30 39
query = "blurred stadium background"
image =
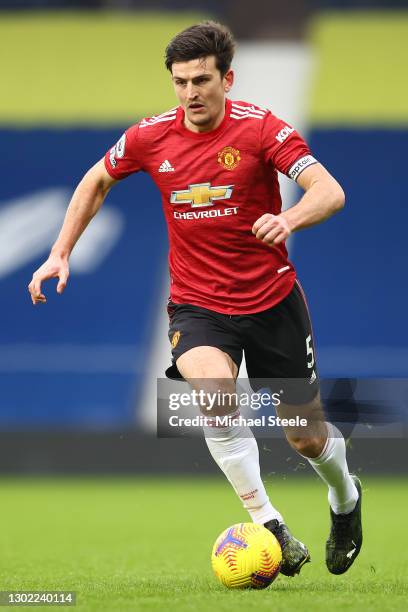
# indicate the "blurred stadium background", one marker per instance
pixel 78 376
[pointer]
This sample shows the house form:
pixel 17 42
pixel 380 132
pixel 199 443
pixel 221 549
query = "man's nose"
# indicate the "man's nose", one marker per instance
pixel 191 91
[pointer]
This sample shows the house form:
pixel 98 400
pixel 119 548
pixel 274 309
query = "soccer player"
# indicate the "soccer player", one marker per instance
pixel 232 287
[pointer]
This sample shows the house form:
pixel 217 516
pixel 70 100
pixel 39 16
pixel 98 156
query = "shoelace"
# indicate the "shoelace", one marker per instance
pixel 281 535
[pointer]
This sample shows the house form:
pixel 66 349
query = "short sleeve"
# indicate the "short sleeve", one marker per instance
pixel 124 157
pixel 284 148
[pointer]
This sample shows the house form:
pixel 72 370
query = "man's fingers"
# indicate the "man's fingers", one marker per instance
pixel 259 222
pixel 266 228
pixel 279 238
pixel 45 272
pixel 275 237
pixel 32 290
pixel 36 286
pixel 41 299
pixel 63 279
pixel 35 290
pixel 272 236
pixel 37 297
pixel 271 229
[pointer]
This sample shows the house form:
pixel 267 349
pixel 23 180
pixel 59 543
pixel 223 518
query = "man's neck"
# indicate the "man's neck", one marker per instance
pixel 208 127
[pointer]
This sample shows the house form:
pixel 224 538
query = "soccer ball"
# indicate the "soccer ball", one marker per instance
pixel 246 555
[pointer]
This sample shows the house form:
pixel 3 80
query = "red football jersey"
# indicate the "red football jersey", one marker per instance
pixel 214 186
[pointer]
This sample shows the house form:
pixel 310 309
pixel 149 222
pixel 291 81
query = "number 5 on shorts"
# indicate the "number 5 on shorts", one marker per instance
pixel 309 352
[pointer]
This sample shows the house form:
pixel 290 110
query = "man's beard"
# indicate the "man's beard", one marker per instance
pixel 199 120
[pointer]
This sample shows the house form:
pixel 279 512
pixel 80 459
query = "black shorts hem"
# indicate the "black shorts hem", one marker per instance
pixel 173 372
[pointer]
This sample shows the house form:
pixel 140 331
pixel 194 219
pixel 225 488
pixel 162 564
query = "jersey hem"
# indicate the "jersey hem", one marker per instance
pixel 250 310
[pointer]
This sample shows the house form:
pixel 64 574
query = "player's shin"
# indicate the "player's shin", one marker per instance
pixel 235 450
pixel 331 466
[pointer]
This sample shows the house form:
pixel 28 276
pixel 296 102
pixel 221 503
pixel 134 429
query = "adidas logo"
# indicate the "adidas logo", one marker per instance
pixel 166 166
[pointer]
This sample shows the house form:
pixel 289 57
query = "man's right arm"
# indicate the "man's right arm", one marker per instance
pixel 85 203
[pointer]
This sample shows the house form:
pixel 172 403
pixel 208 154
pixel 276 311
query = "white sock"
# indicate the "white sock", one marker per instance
pixel 235 450
pixel 331 465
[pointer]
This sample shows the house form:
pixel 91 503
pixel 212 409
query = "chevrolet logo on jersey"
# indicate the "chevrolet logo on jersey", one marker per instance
pixel 201 194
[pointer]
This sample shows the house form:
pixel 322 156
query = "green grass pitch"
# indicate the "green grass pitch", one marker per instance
pixel 144 544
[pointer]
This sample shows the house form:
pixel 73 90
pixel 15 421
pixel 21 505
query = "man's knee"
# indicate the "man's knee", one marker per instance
pixel 310 439
pixel 308 446
pixel 219 396
pixel 211 373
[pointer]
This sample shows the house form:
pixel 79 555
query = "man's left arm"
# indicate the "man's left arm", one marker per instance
pixel 322 198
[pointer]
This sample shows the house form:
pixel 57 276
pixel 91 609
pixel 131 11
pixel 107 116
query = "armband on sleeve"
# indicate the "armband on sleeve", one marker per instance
pixel 297 168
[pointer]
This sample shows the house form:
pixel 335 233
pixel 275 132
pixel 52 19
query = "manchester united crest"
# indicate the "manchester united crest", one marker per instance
pixel 175 339
pixel 229 158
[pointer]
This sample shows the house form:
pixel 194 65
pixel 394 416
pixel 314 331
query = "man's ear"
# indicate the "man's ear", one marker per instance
pixel 228 80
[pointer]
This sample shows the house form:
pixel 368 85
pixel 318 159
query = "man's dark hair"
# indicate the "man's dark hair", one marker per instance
pixel 201 40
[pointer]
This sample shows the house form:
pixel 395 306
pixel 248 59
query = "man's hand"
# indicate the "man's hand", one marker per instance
pixel 271 229
pixel 54 267
pixel 85 203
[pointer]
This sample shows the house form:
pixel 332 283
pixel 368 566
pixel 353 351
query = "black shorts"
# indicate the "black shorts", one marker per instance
pixel 278 343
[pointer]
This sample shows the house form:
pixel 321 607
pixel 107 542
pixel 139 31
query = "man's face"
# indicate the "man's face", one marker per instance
pixel 201 92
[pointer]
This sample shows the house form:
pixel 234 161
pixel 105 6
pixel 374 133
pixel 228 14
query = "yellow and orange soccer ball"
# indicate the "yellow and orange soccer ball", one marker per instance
pixel 246 555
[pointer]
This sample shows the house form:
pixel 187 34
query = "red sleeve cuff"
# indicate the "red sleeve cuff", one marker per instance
pixel 108 166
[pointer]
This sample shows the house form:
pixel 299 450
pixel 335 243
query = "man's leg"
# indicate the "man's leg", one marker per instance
pixel 234 448
pixel 280 349
pixel 323 445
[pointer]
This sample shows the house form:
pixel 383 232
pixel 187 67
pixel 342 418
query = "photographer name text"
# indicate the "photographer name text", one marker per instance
pixel 233 421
